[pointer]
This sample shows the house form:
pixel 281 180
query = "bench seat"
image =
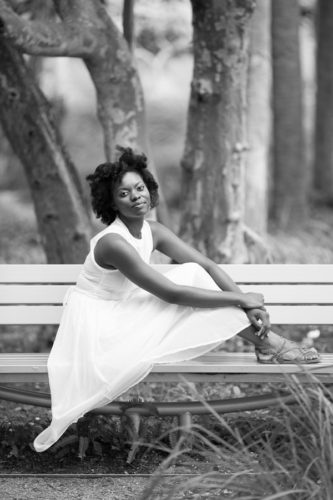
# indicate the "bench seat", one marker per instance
pixel 32 367
pixel 294 295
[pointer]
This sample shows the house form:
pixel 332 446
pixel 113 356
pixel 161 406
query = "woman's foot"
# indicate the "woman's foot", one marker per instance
pixel 275 349
pixel 285 351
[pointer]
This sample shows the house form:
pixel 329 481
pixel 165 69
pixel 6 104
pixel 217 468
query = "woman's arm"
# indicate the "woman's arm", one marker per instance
pixel 113 251
pixel 171 245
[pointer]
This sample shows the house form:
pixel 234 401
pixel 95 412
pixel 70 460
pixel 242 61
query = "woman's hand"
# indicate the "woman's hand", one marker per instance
pixel 260 320
pixel 252 300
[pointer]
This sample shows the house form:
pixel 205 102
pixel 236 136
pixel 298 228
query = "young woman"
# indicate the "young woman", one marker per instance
pixel 123 316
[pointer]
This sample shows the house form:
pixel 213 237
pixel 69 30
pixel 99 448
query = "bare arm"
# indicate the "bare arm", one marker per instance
pixel 168 243
pixel 113 250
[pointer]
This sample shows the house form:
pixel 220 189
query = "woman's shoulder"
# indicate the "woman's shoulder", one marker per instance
pixel 113 232
pixel 112 246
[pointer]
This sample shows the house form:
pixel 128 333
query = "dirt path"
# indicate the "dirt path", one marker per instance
pixel 72 489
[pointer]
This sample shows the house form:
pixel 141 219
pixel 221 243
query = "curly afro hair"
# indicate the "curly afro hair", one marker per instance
pixel 108 175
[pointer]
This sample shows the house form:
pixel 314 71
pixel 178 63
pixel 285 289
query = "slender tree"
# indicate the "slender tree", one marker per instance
pixel 290 178
pixel 214 158
pixel 259 118
pixel 323 162
pixel 128 23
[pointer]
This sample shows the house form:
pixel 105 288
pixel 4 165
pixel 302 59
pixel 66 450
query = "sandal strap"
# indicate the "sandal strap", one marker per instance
pixel 278 355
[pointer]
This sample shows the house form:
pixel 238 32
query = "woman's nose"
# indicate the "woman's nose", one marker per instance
pixel 135 196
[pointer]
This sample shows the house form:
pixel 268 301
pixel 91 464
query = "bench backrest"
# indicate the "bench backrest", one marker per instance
pixel 295 294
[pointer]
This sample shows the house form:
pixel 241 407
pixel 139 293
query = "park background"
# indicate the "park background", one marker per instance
pixel 164 58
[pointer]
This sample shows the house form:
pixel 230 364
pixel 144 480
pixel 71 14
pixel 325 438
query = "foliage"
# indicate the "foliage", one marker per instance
pixel 289 454
pixel 94 441
pixel 16 435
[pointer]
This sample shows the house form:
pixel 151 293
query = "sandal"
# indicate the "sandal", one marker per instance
pixel 269 355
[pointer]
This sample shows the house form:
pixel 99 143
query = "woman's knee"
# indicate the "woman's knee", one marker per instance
pixel 202 278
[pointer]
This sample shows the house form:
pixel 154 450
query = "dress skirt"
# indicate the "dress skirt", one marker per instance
pixel 104 347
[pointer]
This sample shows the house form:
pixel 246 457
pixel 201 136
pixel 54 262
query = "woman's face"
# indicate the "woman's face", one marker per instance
pixel 131 197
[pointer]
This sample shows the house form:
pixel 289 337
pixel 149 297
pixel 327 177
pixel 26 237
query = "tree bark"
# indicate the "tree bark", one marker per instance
pixel 259 118
pixel 213 162
pixel 323 162
pixel 87 31
pixel 128 23
pixel 62 216
pixel 290 177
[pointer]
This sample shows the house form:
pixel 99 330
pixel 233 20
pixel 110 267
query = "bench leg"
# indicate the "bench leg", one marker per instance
pixel 182 436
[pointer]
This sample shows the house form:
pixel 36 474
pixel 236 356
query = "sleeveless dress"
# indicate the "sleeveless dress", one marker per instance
pixel 112 333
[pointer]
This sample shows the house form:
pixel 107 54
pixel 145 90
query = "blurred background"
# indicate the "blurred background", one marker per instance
pixel 163 55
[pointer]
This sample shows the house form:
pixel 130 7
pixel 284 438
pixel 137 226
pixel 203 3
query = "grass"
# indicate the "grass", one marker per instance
pixel 288 454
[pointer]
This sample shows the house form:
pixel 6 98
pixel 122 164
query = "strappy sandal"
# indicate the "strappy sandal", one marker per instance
pixel 269 355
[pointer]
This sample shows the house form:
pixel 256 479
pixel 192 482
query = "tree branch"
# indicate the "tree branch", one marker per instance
pixel 45 39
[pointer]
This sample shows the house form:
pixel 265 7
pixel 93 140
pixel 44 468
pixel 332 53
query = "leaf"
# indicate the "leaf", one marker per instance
pixel 62 453
pixel 67 441
pixel 14 451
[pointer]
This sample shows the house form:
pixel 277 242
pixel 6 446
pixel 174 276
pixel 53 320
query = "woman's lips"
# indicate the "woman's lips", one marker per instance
pixel 138 205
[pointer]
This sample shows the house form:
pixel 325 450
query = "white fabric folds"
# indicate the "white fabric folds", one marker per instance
pixel 112 333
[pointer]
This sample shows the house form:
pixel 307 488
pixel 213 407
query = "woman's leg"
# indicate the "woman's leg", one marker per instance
pixel 274 343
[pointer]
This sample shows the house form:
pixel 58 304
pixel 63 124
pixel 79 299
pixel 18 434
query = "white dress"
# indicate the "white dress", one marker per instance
pixel 113 332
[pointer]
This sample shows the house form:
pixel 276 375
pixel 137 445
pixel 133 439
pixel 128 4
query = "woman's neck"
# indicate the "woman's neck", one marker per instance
pixel 133 225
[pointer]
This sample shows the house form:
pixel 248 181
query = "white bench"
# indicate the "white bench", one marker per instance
pixel 295 294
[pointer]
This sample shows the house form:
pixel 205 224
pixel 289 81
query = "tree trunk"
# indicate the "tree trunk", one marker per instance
pixel 213 162
pixel 290 177
pixel 120 99
pixel 86 30
pixel 323 163
pixel 128 23
pixel 259 119
pixel 62 216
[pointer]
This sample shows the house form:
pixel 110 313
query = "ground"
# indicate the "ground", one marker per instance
pixel 71 489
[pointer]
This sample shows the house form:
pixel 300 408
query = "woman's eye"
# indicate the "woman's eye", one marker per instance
pixel 141 188
pixel 123 194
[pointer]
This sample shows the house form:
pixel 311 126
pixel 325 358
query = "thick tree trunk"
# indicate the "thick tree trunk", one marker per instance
pixel 290 179
pixel 323 163
pixel 259 118
pixel 213 162
pixel 62 215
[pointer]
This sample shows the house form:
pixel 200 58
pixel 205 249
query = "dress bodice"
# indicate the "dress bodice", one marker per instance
pixel 110 284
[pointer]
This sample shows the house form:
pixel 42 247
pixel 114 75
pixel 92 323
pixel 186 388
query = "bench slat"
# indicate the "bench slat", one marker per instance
pixel 39 273
pixel 280 315
pixel 254 273
pixel 32 294
pixel 209 363
pixel 274 294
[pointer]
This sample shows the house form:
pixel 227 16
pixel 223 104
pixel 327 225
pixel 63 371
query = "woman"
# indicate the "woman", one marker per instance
pixel 123 316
